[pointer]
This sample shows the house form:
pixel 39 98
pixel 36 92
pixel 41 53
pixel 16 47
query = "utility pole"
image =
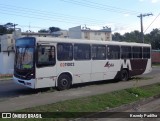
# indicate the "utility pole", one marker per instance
pixel 141 19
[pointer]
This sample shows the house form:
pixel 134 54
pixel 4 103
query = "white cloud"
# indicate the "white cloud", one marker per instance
pixel 148 21
pixel 126 15
pixel 155 1
pixel 123 28
pixel 98 27
pixel 152 1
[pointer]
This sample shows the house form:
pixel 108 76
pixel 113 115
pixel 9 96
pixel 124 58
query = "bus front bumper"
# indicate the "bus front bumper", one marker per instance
pixel 26 83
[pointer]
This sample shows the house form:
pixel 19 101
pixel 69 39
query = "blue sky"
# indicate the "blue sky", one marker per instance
pixel 120 15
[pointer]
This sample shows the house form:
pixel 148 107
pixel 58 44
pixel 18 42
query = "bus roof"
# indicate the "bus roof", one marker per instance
pixel 46 40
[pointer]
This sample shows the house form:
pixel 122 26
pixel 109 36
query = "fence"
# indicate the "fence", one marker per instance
pixel 155 56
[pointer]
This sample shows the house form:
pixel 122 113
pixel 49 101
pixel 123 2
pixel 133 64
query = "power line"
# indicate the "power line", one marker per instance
pixel 113 7
pixel 49 16
pixel 100 6
pixel 152 22
pixel 18 9
pixel 46 16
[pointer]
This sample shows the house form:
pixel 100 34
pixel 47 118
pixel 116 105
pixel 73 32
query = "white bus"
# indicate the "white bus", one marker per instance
pixel 56 62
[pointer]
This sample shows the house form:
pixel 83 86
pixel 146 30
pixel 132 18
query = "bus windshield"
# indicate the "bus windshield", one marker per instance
pixel 24 58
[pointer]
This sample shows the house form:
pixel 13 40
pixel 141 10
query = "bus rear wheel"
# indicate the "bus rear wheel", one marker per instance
pixel 64 82
pixel 124 75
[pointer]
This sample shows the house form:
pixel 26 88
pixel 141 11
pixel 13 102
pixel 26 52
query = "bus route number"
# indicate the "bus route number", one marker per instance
pixel 66 64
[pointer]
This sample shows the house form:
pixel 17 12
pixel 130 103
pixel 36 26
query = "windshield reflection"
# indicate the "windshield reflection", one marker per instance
pixel 24 58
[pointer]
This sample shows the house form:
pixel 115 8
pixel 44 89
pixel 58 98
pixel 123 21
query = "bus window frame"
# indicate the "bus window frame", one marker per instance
pixel 51 65
pixel 105 56
pixel 90 52
pixel 119 52
pixel 133 52
pixel 146 53
pixel 130 53
pixel 58 53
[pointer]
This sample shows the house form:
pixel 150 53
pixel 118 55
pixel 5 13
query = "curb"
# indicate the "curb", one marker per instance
pixel 5 79
pixel 91 117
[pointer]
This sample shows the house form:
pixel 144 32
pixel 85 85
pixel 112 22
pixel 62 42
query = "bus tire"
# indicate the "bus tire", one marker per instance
pixel 124 75
pixel 64 82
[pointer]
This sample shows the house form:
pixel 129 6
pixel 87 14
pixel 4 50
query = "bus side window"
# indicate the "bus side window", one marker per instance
pixel 98 52
pixel 137 52
pixel 64 51
pixel 46 56
pixel 126 52
pixel 146 52
pixel 113 52
pixel 82 52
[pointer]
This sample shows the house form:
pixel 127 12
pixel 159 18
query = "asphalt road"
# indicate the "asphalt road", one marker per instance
pixel 8 89
pixel 15 97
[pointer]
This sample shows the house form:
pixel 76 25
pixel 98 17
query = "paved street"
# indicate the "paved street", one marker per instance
pixel 14 97
pixel 8 89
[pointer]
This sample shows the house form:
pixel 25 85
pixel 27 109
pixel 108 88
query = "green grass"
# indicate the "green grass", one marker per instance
pixel 156 64
pixel 97 103
pixel 4 77
pixel 140 78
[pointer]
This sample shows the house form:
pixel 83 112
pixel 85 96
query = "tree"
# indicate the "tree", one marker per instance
pixel 153 38
pixel 49 30
pixel 133 36
pixel 43 31
pixel 7 28
pixel 3 30
pixel 54 29
pixel 117 37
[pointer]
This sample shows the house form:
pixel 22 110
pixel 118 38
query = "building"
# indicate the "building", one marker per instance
pixel 34 34
pixel 88 34
pixel 7 53
pixel 60 34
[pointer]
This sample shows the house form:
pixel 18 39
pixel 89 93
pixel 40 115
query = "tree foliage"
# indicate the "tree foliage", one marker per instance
pixel 135 36
pixel 153 38
pixel 7 28
pixel 43 31
pixel 54 29
pixel 3 30
pixel 49 30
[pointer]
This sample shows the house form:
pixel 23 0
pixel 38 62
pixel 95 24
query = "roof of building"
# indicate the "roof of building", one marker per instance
pixel 101 30
pixel 33 33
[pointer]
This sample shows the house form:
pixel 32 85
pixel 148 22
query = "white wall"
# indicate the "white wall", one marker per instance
pixel 97 35
pixel 75 32
pixel 6 63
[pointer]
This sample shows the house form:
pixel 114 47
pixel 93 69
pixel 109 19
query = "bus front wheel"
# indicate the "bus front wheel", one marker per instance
pixel 124 75
pixel 64 82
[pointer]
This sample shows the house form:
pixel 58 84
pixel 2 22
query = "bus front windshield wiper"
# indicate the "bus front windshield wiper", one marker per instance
pixel 24 52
